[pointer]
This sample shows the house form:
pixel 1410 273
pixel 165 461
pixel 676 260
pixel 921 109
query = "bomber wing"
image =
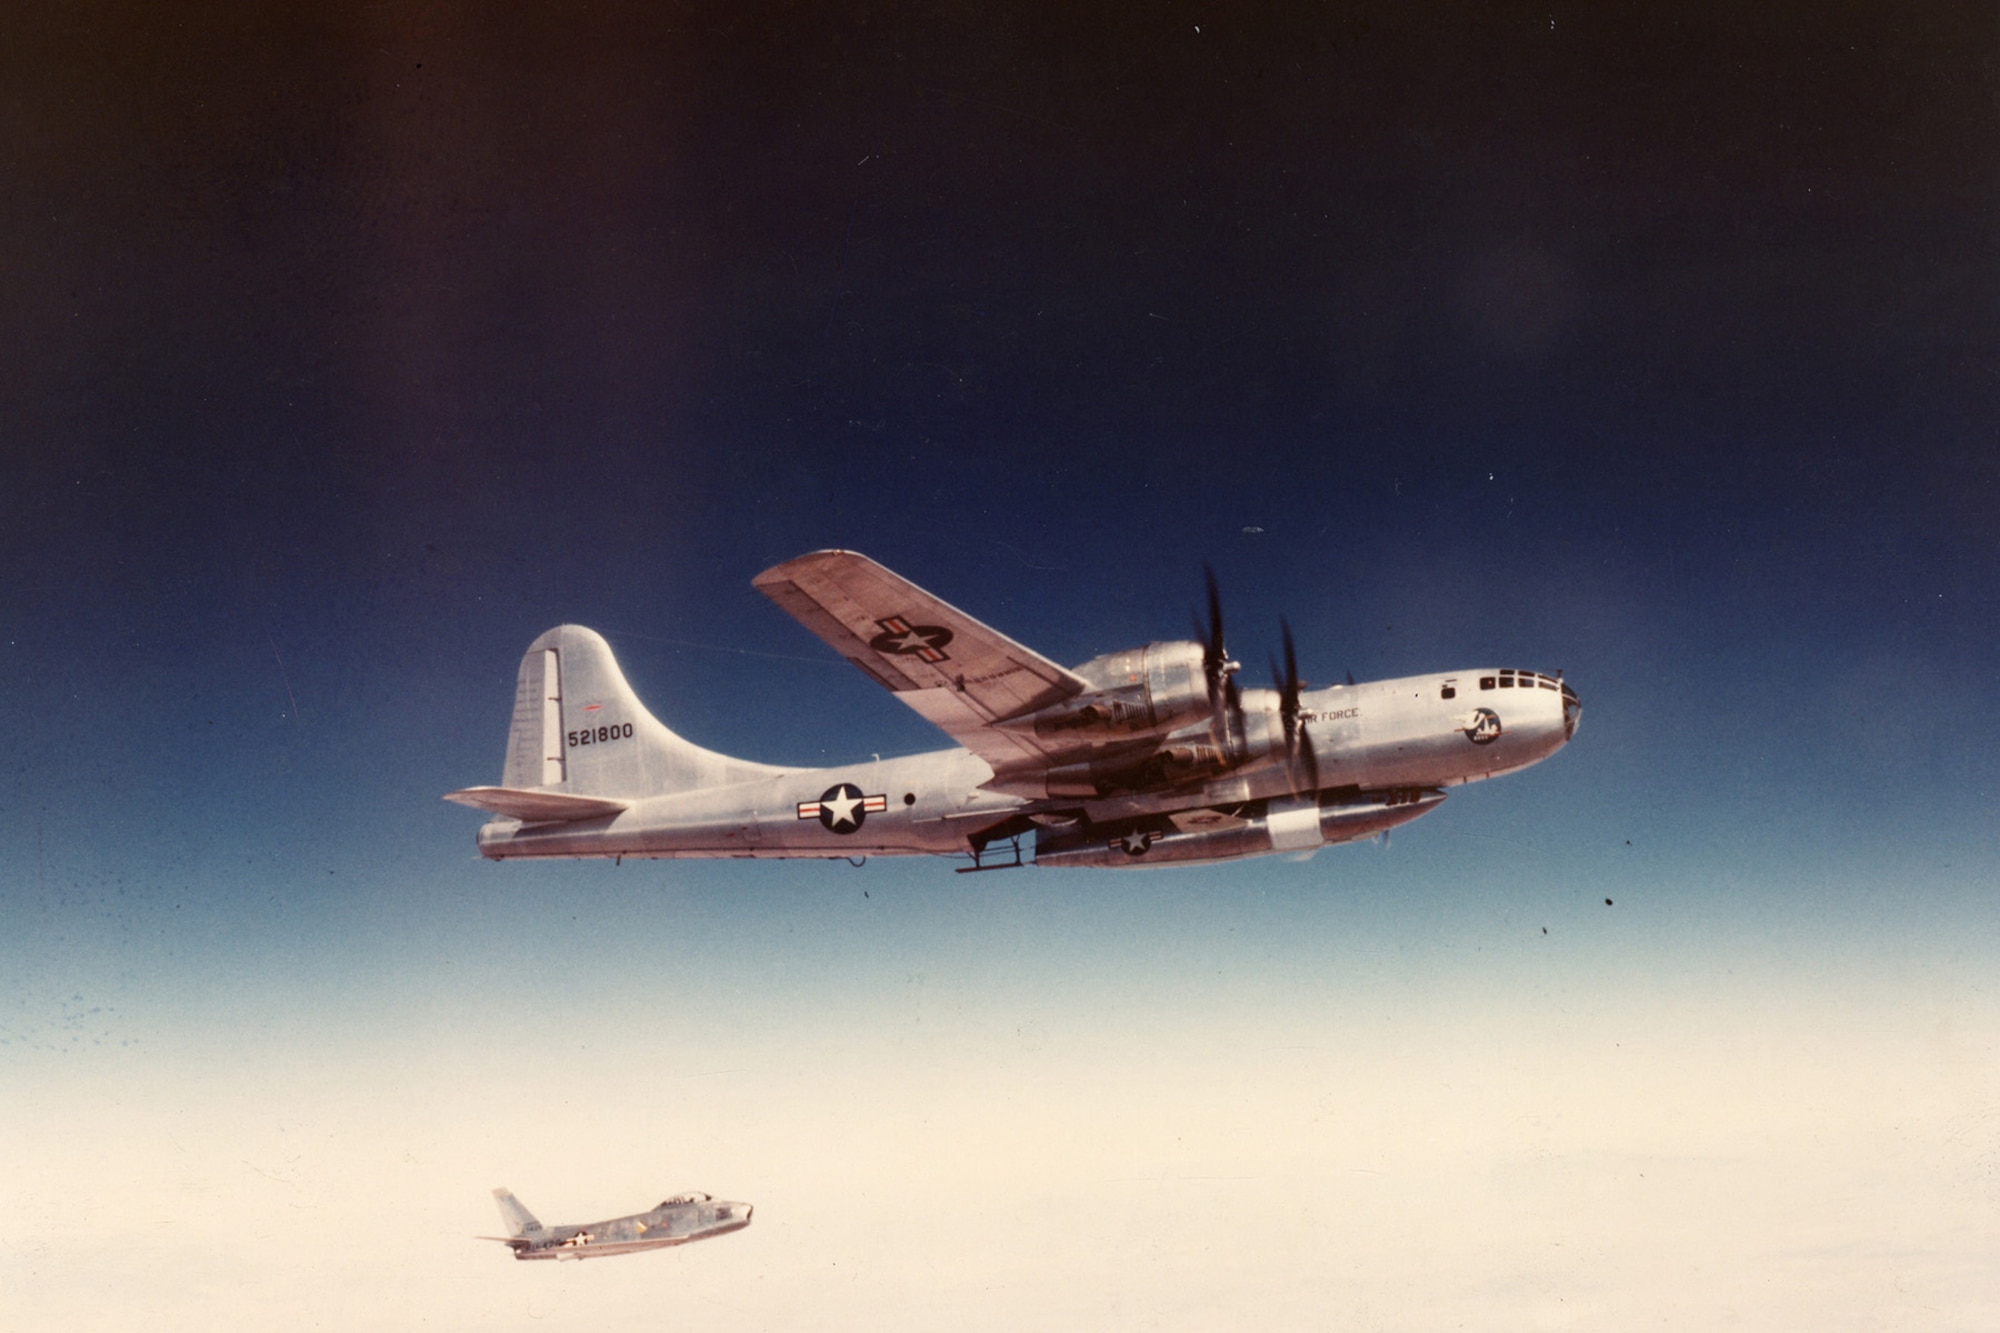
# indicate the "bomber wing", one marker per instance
pixel 960 674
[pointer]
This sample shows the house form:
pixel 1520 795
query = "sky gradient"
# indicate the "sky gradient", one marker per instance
pixel 349 348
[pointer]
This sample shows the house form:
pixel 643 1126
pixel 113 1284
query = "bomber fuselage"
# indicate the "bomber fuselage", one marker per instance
pixel 1388 747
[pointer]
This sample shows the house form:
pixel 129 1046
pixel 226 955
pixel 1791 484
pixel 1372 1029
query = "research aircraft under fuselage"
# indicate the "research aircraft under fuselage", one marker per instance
pixel 1151 756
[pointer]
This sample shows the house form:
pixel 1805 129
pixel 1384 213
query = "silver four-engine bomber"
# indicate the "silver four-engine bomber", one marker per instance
pixel 1150 756
pixel 683 1218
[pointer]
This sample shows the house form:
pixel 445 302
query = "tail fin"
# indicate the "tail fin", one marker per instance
pixel 580 732
pixel 519 1221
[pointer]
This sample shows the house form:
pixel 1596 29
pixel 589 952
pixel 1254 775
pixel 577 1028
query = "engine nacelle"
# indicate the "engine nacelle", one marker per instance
pixel 1172 765
pixel 1140 692
pixel 1278 826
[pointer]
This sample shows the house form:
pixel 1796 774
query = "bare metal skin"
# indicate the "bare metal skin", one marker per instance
pixel 1151 756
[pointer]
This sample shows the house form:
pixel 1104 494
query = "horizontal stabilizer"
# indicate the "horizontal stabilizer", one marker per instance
pixel 536 807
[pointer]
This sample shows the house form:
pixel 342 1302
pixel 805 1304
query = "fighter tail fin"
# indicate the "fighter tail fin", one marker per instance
pixel 520 1222
pixel 579 733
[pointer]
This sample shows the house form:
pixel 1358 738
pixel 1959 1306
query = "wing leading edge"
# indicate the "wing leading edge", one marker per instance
pixel 961 675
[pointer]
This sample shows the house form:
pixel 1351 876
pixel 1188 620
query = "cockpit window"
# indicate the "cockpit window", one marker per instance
pixel 1506 682
pixel 1486 682
pixel 1449 690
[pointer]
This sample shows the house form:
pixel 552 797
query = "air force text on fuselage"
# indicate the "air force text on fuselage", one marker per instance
pixel 1151 756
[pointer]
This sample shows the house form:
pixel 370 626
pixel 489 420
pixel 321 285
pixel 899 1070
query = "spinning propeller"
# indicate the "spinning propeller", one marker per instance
pixel 1225 701
pixel 1298 741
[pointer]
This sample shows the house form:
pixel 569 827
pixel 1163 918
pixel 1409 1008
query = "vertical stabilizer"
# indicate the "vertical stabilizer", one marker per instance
pixel 520 1222
pixel 581 731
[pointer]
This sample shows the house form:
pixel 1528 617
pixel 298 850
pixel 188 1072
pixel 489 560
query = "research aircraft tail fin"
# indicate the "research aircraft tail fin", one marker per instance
pixel 520 1222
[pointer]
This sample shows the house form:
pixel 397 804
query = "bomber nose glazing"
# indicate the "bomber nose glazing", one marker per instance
pixel 1572 711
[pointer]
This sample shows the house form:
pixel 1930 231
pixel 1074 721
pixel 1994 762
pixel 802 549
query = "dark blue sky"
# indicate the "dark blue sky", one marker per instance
pixel 1657 347
pixel 347 348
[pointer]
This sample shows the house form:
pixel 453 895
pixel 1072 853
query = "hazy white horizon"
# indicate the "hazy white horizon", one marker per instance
pixel 1325 1114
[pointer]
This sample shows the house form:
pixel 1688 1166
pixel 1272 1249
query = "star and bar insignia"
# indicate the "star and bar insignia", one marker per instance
pixel 842 808
pixel 900 638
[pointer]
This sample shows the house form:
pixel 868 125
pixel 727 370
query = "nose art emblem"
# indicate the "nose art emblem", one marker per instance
pixel 1483 727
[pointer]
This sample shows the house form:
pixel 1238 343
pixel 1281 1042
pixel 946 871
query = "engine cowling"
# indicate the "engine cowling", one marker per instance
pixel 1139 692
pixel 1174 764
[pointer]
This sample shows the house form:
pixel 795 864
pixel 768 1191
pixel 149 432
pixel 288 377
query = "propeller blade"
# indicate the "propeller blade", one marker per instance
pixel 1225 701
pixel 1291 662
pixel 1298 741
pixel 1214 617
pixel 1287 708
pixel 1290 689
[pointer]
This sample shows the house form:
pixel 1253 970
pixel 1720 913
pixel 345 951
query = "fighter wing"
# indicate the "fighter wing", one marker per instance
pixel 961 675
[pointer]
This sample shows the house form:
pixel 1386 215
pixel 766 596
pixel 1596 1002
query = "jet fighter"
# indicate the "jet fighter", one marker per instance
pixel 676 1221
pixel 1150 756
